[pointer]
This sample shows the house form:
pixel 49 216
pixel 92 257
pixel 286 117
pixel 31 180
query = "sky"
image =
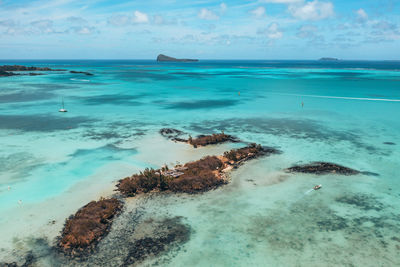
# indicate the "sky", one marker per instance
pixel 204 29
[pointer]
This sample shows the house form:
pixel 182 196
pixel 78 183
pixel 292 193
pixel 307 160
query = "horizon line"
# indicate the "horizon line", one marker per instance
pixel 206 59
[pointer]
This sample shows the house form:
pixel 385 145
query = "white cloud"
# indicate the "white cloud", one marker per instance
pixel 307 31
pixel 139 17
pixel 362 15
pixel 7 23
pixel 158 19
pixel 259 12
pixel 313 10
pixel 45 23
pixel 43 26
pixel 84 30
pixel 161 20
pixel 77 20
pixel 207 14
pixel 119 20
pixel 223 7
pixel 273 31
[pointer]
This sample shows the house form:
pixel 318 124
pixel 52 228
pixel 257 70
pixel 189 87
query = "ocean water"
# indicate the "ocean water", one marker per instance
pixel 344 112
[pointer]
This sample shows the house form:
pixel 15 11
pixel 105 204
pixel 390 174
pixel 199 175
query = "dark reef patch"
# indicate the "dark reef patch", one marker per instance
pixel 191 75
pixel 389 143
pixel 143 75
pixel 112 100
pixel 334 223
pixel 361 201
pixel 201 104
pixel 310 222
pixel 305 129
pixel 308 129
pixel 48 86
pixel 110 151
pixel 42 123
pixel 81 72
pixel 370 173
pixel 167 233
pixel 322 168
pixel 16 160
pixel 25 97
pixel 19 165
pixel 109 134
pixel 29 261
pixel 339 74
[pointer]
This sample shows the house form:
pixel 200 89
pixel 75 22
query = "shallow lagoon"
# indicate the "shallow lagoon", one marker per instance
pixel 55 163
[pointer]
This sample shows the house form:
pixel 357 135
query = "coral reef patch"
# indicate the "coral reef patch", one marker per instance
pixel 361 201
pixel 323 168
pixel 166 234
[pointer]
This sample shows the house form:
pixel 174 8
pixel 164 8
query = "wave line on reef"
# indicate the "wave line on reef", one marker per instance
pixel 79 80
pixel 348 98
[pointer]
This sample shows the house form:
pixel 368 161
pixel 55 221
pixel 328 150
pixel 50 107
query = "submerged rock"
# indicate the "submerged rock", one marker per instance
pixel 362 201
pixel 201 140
pixel 204 140
pixel 389 143
pixel 81 72
pixel 6 73
pixel 323 168
pixel 173 134
pixel 166 235
pixel 88 226
pixel 28 261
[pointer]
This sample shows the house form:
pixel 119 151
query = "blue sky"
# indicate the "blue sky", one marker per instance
pixel 247 29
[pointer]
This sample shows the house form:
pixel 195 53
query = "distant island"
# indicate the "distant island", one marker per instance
pixel 328 59
pixel 164 58
pixel 7 70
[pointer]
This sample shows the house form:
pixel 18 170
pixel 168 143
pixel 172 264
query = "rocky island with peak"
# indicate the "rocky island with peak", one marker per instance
pixel 164 58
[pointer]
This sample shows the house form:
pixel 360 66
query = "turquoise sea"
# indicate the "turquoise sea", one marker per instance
pixel 346 112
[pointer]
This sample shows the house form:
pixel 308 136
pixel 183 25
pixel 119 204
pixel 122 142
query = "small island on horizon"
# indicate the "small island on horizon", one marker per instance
pixel 329 59
pixel 164 58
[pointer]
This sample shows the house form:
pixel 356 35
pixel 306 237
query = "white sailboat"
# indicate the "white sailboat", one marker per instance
pixel 62 109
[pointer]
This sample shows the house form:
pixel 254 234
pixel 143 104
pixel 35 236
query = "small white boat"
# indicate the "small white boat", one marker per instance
pixel 63 108
pixel 317 187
